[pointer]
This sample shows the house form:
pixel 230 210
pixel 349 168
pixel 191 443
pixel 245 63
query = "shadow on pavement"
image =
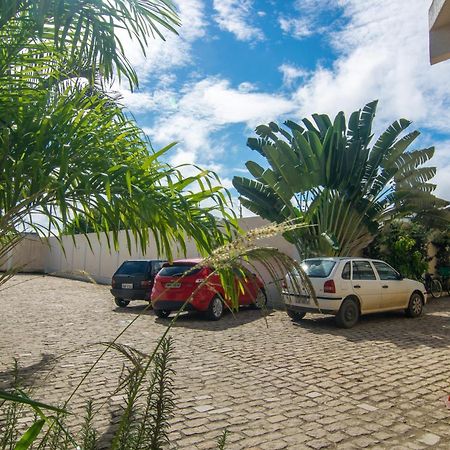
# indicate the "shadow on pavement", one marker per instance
pixel 135 308
pixel 29 373
pixel 430 330
pixel 195 320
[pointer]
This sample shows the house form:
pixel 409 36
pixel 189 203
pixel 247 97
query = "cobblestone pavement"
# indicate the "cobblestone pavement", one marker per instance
pixel 273 384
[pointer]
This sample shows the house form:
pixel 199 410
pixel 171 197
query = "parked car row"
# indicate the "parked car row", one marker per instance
pixel 169 285
pixel 344 287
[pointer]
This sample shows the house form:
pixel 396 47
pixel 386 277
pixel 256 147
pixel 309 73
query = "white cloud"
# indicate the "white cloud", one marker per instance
pixel 166 80
pixel 383 54
pixel 442 180
pixel 309 17
pixel 315 7
pixel 247 87
pixel 216 99
pixel 142 101
pixel 175 51
pixel 298 28
pixel 205 107
pixel 235 16
pixel 291 73
pixel 441 161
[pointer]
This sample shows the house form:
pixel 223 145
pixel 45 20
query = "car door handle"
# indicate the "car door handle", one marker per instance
pixel 385 286
pixel 357 286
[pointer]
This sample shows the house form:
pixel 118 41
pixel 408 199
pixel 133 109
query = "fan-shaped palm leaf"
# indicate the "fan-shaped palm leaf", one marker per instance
pixel 326 172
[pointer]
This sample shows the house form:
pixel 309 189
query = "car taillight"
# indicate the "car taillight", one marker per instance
pixel 284 284
pixel 113 283
pixel 202 275
pixel 329 287
pixel 145 283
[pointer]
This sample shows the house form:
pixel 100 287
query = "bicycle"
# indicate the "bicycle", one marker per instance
pixel 432 285
pixel 444 273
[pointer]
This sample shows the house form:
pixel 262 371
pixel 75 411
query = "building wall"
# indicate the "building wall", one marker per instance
pixel 29 255
pixel 278 242
pixel 439 22
pixel 431 253
pixel 97 262
pixel 91 258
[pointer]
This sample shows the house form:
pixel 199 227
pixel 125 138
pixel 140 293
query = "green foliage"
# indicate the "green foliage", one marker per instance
pixel 20 397
pixel 441 240
pixel 149 406
pixel 89 435
pixel 10 413
pixel 222 441
pixel 410 263
pixel 404 246
pixel 81 225
pixel 326 173
pixel 30 435
pixel 86 34
pixel 144 423
pixel 67 147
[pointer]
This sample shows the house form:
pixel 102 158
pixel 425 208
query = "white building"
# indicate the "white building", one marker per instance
pixel 439 19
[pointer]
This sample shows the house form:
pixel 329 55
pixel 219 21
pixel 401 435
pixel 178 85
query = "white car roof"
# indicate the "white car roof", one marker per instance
pixel 342 258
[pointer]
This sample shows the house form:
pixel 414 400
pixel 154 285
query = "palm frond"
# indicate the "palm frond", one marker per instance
pixel 325 172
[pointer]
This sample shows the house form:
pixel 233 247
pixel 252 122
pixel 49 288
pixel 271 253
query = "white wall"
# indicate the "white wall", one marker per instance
pixel 29 254
pixel 98 262
pixel 250 223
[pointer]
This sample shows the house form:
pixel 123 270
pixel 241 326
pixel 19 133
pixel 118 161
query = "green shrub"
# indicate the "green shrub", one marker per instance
pixel 404 246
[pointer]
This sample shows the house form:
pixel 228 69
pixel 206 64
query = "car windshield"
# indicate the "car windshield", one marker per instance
pixel 177 270
pixel 133 268
pixel 318 268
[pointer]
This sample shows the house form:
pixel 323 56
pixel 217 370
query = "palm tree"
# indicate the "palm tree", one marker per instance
pixel 68 148
pixel 327 174
pixel 81 37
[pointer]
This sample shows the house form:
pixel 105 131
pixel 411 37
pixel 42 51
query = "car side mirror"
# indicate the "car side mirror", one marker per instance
pixel 399 276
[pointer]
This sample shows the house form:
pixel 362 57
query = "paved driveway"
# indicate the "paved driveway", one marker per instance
pixel 273 384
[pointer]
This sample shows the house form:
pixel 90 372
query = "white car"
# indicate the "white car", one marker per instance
pixel 349 287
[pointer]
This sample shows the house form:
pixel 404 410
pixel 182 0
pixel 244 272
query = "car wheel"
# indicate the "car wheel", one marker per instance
pixel 260 300
pixel 121 303
pixel 415 306
pixel 162 313
pixel 215 308
pixel 348 314
pixel 295 315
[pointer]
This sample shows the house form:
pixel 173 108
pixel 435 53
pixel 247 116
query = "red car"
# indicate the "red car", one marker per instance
pixel 170 292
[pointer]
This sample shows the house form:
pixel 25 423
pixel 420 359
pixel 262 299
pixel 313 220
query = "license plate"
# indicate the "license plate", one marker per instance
pixel 173 285
pixel 302 300
pixel 127 285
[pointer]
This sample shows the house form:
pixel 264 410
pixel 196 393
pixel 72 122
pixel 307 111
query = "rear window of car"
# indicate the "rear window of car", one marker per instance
pixel 156 266
pixel 178 270
pixel 318 268
pixel 133 268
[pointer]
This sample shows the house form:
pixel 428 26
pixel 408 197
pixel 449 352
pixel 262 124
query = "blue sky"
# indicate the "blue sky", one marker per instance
pixel 240 63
